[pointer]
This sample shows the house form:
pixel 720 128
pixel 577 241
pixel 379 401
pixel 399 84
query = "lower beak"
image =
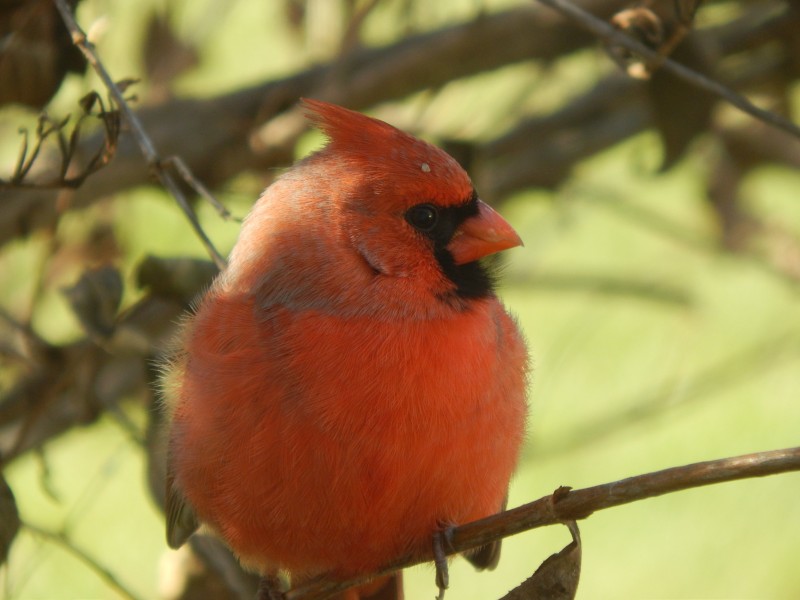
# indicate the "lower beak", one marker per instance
pixel 482 235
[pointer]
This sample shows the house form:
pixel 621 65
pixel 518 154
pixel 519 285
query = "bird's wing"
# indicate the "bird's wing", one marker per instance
pixel 181 518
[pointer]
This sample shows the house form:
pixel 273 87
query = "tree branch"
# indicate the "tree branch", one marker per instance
pixel 154 161
pixel 566 504
pixel 212 135
pixel 606 32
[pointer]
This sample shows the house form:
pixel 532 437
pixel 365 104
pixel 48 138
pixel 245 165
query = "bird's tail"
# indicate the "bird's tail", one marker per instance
pixel 389 587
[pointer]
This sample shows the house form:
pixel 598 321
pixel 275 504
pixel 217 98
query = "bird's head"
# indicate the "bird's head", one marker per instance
pixel 407 207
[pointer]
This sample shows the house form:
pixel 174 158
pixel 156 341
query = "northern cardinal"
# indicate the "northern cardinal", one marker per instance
pixel 350 384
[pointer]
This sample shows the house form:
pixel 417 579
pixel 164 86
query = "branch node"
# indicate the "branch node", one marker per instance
pixel 557 496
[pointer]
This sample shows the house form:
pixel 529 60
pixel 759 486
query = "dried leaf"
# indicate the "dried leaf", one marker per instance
pixel 88 101
pixel 9 519
pixel 166 56
pixel 124 84
pixel 95 299
pixel 181 279
pixel 37 52
pixel 681 111
pixel 557 577
pixel 661 25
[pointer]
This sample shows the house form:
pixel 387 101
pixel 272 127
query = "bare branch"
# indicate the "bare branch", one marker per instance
pixel 370 76
pixel 417 62
pixel 180 166
pixel 146 145
pixel 606 32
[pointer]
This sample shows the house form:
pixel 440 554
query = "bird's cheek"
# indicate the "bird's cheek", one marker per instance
pixel 383 260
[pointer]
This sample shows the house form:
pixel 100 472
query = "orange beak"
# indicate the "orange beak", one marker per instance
pixel 482 235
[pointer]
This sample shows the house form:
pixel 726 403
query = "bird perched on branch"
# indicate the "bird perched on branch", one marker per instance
pixel 350 385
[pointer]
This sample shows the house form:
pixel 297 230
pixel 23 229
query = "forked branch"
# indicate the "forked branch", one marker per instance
pixel 154 160
pixel 609 34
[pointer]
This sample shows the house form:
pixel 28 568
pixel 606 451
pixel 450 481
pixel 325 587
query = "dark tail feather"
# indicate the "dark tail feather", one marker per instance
pixel 485 557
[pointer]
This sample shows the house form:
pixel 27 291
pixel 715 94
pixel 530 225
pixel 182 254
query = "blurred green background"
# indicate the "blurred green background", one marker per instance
pixel 653 345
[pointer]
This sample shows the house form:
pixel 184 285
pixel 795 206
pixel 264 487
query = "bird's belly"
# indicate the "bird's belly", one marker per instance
pixel 353 504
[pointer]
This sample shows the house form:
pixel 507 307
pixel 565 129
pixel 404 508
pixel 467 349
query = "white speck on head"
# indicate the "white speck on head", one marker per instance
pixel 426 168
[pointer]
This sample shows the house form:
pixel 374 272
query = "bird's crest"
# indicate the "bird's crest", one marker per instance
pixel 379 148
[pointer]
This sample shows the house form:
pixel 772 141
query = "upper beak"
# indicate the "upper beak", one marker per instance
pixel 482 235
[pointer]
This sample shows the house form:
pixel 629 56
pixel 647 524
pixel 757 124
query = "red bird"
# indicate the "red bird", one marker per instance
pixel 350 384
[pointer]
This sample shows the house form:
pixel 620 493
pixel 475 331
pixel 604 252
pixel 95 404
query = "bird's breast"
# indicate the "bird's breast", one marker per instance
pixel 366 433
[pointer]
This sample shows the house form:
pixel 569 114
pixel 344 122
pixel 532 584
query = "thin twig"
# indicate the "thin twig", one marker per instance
pixel 177 163
pixel 352 32
pixel 68 147
pixel 140 135
pixel 61 540
pixel 566 504
pixel 606 32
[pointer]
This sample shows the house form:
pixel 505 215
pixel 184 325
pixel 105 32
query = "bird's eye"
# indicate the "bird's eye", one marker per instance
pixel 423 216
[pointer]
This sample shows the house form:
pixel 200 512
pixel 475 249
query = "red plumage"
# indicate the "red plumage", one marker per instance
pixel 350 383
